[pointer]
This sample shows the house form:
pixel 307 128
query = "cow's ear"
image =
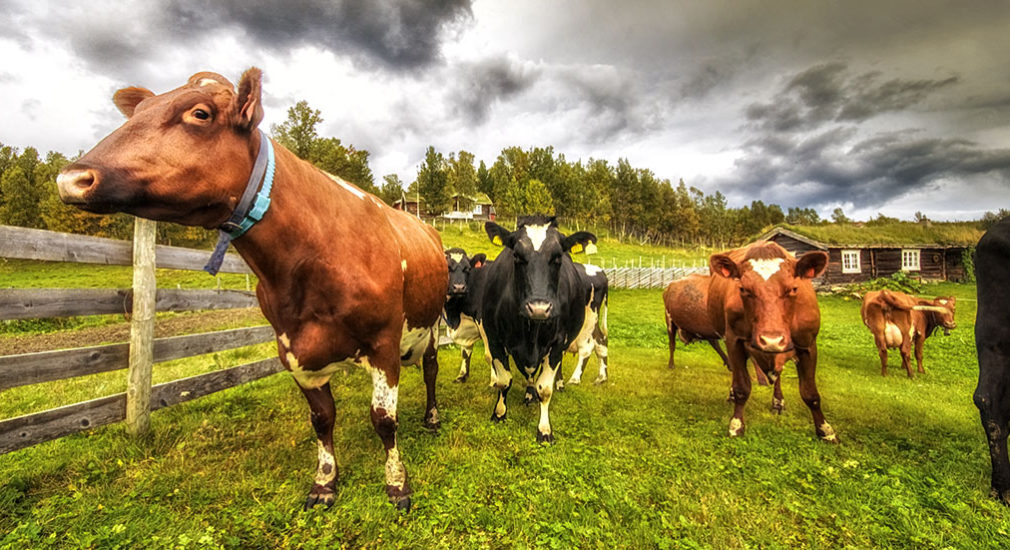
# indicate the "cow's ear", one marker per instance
pixel 811 264
pixel 249 105
pixel 127 99
pixel 478 260
pixel 498 234
pixel 583 241
pixel 723 266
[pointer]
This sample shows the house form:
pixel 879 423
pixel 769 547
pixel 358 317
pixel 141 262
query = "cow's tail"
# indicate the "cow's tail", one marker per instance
pixel 895 302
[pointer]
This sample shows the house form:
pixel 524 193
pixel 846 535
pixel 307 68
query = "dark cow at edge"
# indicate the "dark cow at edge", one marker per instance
pixel 343 278
pixel 466 277
pixel 533 306
pixel 992 341
pixel 762 303
pixel 898 320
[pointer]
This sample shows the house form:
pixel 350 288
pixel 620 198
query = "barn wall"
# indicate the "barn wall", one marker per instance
pixel 833 274
pixel 955 264
pixel 797 248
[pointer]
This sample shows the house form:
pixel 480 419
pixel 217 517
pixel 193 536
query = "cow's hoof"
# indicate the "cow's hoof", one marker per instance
pixel 600 381
pixel 778 405
pixel 561 385
pixel 461 379
pixel 1000 495
pixel 402 503
pixel 827 433
pixel 574 381
pixel 736 427
pixel 545 438
pixel 496 419
pixel 319 499
pixel 433 426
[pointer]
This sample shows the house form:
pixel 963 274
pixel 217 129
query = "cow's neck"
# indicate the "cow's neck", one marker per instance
pixel 291 232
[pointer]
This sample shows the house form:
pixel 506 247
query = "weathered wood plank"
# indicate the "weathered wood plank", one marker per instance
pixel 34 368
pixel 32 429
pixel 145 290
pixel 185 389
pixel 38 303
pixel 38 244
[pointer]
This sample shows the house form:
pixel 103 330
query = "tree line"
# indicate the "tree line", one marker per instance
pixel 631 201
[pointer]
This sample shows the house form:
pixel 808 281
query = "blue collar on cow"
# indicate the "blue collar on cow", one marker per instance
pixel 251 207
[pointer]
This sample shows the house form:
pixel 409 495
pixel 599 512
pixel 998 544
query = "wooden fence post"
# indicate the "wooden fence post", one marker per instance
pixel 145 288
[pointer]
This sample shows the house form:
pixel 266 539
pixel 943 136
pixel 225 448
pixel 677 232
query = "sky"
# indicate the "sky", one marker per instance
pixel 875 107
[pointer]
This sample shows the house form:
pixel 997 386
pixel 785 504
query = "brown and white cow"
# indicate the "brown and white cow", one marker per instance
pixel 898 320
pixel 763 305
pixel 343 279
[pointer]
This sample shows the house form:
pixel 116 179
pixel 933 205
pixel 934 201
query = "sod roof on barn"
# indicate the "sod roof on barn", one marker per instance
pixel 860 235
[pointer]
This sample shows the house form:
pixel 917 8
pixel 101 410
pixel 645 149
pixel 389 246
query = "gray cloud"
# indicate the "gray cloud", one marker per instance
pixel 127 39
pixel 481 84
pixel 827 93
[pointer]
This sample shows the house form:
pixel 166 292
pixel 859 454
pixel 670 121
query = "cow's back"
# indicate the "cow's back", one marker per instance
pixel 686 302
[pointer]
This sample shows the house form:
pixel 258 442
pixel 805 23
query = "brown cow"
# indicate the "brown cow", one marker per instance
pixel 686 302
pixel 898 320
pixel 343 279
pixel 762 303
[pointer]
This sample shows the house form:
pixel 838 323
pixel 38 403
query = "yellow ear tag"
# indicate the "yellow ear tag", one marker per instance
pixel 497 240
pixel 576 248
pixel 591 248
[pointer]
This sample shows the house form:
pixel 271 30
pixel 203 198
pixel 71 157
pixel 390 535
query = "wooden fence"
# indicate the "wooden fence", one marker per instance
pixel 648 277
pixel 140 353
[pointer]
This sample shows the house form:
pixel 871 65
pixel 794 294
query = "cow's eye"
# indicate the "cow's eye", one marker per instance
pixel 201 114
pixel 793 291
pixel 556 259
pixel 745 292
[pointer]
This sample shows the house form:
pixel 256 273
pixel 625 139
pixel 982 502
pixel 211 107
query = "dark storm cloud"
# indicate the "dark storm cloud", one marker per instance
pixel 828 93
pixel 394 34
pixel 481 84
pixel 835 166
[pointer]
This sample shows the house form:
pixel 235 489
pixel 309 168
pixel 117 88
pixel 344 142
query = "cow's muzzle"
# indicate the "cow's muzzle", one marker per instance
pixel 772 343
pixel 539 310
pixel 457 288
pixel 74 184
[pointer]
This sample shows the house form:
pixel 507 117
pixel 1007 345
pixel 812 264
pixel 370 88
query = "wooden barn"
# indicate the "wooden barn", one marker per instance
pixel 471 207
pixel 880 255
pixel 409 205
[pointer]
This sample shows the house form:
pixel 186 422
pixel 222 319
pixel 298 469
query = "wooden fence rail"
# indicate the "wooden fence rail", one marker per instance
pixel 140 354
pixel 648 277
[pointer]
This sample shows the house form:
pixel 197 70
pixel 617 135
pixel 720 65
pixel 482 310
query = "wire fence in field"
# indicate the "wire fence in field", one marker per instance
pixel 648 277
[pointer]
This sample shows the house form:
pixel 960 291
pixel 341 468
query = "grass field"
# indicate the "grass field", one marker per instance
pixel 642 462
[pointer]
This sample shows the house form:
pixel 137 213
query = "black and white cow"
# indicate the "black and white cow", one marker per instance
pixel 532 307
pixel 461 305
pixel 593 336
pixel 992 341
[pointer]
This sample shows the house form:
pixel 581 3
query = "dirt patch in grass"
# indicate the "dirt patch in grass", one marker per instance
pixel 170 325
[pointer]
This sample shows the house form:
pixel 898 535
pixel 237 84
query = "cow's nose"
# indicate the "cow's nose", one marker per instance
pixel 539 310
pixel 772 343
pixel 458 287
pixel 74 183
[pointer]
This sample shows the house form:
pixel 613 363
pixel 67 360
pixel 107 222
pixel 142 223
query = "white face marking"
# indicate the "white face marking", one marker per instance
pixel 944 302
pixel 766 268
pixel 735 426
pixel 537 235
pixel 403 265
pixel 207 82
pixel 357 192
pixel 591 269
pixel 322 478
pixel 456 257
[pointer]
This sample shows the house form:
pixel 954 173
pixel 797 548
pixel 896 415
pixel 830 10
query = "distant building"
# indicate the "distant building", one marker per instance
pixel 409 205
pixel 850 262
pixel 471 207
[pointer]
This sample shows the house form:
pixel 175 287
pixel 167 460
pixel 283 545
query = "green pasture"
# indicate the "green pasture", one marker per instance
pixel 641 462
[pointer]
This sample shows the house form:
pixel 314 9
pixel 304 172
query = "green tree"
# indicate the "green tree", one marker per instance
pixel 22 199
pixel 462 178
pixel 538 199
pixel 347 162
pixel 433 182
pixel 838 216
pixel 298 132
pixel 392 189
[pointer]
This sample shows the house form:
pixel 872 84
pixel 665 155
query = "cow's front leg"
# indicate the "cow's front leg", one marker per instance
pixel 806 366
pixel 991 398
pixel 385 389
pixel 531 392
pixel 545 386
pixel 740 391
pixel 502 378
pixel 322 414
pixel 466 353
pixel 429 364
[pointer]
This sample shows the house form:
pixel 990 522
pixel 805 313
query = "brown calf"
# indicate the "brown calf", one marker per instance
pixel 343 279
pixel 898 320
pixel 762 303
